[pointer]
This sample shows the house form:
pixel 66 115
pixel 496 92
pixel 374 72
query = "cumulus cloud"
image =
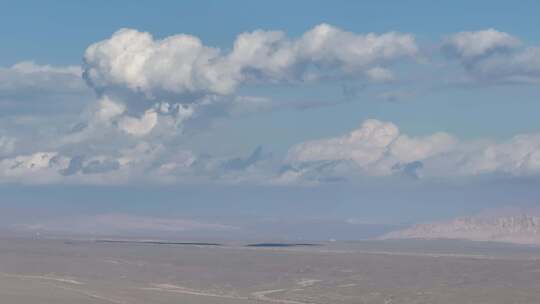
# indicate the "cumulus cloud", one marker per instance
pixel 141 72
pixel 39 167
pixel 518 156
pixel 107 109
pixel 149 90
pixel 139 126
pixel 181 64
pixel 409 149
pixel 470 45
pixel 110 124
pixel 133 59
pixel 364 145
pixel 375 147
pixel 379 149
pixel 315 54
pixel 492 56
pixel 90 166
pixel 140 162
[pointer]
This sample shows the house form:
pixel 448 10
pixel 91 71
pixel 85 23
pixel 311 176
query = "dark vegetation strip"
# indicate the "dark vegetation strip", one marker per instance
pixel 281 245
pixel 158 243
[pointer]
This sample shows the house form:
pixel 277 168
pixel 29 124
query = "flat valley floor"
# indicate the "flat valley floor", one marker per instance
pixel 67 272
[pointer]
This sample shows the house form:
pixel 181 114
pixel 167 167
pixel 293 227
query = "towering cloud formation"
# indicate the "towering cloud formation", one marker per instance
pixel 378 148
pixel 148 90
pixel 324 51
pixel 137 71
pixel 181 64
pixel 178 64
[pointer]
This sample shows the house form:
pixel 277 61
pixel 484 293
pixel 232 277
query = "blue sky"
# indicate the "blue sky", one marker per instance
pixel 72 25
pixel 66 28
pixel 437 103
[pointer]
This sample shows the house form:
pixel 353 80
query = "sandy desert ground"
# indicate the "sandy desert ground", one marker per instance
pixel 66 272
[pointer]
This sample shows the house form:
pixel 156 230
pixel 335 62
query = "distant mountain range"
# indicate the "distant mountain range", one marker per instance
pixel 517 229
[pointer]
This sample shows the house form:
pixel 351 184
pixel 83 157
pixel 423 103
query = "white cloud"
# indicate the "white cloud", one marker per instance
pixel 139 126
pixel 108 109
pixel 142 152
pixel 491 56
pixel 327 44
pixel 136 70
pixel 33 162
pixel 409 149
pixel 364 145
pixel 133 59
pixel 518 156
pixel 150 89
pixel 39 167
pixel 319 53
pixel 181 64
pixel 378 148
pixel 144 162
pixel 467 45
pixel 517 67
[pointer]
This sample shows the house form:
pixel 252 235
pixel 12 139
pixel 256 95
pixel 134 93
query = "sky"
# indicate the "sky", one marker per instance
pixel 216 116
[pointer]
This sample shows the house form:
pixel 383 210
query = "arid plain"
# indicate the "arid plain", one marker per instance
pixel 63 271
